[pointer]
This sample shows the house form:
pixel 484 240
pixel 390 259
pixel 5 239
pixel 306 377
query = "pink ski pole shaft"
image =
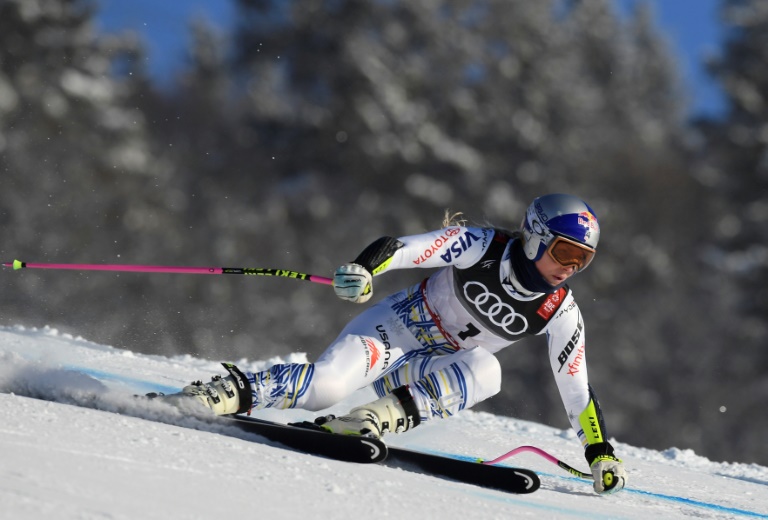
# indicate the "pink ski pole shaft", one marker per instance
pixel 248 271
pixel 542 453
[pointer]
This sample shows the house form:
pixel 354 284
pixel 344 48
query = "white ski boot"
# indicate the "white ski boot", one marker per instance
pixel 396 412
pixel 224 395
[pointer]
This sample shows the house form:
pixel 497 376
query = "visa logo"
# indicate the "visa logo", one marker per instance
pixel 458 247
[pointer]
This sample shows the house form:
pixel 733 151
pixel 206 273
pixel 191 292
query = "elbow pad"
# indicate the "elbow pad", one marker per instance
pixel 377 256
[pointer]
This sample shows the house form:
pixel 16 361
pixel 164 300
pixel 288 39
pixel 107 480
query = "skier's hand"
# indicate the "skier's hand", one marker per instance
pixel 609 474
pixel 353 282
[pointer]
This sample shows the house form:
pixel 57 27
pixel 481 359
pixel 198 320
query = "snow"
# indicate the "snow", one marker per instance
pixel 75 443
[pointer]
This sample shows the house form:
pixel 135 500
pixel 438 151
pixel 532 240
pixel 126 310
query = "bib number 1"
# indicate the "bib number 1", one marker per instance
pixel 470 331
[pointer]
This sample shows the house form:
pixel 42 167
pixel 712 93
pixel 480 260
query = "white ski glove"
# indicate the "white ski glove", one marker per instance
pixel 353 282
pixel 609 474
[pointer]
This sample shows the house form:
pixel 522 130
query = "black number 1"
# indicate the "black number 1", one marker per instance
pixel 471 331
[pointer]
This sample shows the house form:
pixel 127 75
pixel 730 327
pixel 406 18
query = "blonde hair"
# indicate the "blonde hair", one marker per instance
pixel 457 219
pixel 453 219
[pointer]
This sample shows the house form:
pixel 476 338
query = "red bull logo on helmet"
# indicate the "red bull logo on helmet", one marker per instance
pixel 589 221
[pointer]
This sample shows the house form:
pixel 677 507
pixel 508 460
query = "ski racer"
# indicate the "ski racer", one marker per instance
pixel 428 350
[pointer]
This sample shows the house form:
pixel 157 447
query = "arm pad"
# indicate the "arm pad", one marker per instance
pixel 377 256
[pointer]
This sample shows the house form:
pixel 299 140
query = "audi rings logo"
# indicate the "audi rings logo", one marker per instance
pixel 490 305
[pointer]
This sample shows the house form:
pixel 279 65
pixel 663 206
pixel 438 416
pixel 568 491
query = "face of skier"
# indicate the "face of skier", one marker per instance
pixel 552 271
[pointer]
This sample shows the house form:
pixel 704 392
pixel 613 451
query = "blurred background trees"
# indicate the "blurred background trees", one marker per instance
pixel 313 128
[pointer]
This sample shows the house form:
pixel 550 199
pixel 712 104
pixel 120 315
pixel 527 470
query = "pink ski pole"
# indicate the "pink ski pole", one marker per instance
pixel 542 453
pixel 249 271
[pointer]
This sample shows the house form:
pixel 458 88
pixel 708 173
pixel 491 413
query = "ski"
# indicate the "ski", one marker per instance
pixel 307 438
pixel 504 478
pixel 311 440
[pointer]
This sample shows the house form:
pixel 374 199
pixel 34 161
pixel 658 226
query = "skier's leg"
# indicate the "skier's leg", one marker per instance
pixel 378 341
pixel 456 382
pixel 445 385
pixel 370 345
pixel 351 362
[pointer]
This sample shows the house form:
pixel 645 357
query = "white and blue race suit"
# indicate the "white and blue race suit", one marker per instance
pixel 439 336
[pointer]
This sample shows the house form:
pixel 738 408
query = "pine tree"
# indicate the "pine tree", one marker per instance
pixel 72 152
pixel 735 169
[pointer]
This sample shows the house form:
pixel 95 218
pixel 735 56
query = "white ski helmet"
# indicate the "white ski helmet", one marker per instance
pixel 564 226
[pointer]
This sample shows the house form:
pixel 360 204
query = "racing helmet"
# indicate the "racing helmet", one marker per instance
pixel 564 227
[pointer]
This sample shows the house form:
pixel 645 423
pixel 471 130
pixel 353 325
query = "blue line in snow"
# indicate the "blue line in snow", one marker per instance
pixel 670 498
pixel 140 383
pixel 698 503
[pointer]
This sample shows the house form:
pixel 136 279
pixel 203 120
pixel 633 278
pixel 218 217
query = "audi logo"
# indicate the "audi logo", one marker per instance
pixel 490 305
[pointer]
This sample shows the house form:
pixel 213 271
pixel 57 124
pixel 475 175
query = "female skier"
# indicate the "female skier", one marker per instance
pixel 428 350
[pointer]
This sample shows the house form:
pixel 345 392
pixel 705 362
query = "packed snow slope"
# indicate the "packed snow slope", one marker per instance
pixel 75 443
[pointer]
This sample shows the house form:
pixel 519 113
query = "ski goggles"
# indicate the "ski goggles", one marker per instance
pixel 567 252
